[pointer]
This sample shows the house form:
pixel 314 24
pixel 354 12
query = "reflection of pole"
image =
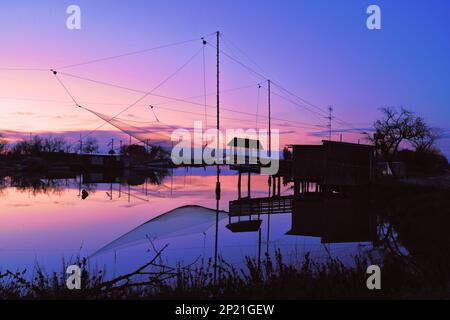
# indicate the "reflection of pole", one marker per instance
pixel 259 249
pixel 79 186
pixel 171 179
pixel 259 240
pixel 217 163
pixel 268 220
pixel 249 184
pixel 129 194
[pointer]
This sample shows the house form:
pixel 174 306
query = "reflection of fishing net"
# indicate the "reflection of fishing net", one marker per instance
pixel 146 132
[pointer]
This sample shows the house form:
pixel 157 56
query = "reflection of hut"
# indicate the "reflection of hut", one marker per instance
pixel 333 164
pixel 333 220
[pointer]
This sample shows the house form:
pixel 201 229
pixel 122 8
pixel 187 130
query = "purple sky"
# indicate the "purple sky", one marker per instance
pixel 319 50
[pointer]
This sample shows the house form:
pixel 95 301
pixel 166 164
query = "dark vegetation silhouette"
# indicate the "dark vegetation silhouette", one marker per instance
pixel 3 145
pixel 400 128
pixel 413 252
pixel 90 145
pixel 37 145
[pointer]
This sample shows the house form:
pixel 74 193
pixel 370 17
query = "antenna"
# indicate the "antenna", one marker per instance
pixel 112 146
pixel 330 118
pixel 81 144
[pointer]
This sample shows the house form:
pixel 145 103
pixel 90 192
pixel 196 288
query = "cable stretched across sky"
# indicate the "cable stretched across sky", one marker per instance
pixel 282 92
pixel 169 100
pixel 164 46
pixel 146 94
pixel 262 77
pixel 184 100
pixel 319 110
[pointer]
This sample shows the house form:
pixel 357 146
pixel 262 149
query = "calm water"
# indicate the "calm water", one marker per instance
pixel 43 221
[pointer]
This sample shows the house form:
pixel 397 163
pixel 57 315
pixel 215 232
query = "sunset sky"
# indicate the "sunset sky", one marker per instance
pixel 319 50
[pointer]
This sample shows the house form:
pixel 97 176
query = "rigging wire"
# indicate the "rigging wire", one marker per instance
pixel 142 97
pixel 226 41
pixel 21 69
pixel 320 109
pixel 316 114
pixel 178 99
pixel 267 78
pixel 300 98
pixel 128 130
pixel 130 53
pixel 229 56
pixel 169 100
pixel 64 87
pixel 151 107
pixel 240 119
pixel 260 76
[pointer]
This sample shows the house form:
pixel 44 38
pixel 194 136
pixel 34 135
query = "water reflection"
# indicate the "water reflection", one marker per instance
pixel 114 224
pixel 57 182
pixel 183 221
pixel 330 219
pixel 334 220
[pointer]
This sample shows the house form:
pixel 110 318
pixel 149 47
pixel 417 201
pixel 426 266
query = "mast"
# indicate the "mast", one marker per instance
pixel 270 156
pixel 218 98
pixel 217 157
pixel 270 128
